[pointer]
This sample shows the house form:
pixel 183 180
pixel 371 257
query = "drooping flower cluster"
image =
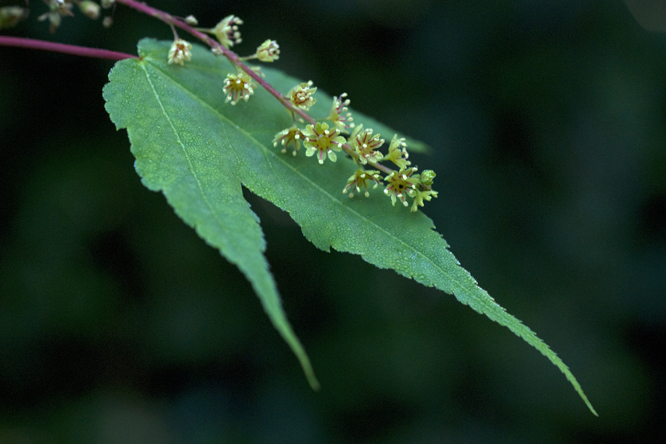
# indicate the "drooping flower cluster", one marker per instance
pixel 363 147
pixel 322 138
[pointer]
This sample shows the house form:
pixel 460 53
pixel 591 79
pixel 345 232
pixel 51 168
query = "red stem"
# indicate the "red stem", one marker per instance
pixel 174 21
pixel 232 56
pixel 20 42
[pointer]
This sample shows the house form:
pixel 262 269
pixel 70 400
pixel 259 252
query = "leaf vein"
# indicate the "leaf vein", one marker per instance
pixel 185 152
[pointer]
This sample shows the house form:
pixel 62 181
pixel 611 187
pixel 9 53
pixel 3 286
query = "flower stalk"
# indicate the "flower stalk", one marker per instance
pixel 20 42
pixel 319 138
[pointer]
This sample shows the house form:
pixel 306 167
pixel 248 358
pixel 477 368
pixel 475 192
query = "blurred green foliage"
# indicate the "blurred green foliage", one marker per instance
pixel 117 324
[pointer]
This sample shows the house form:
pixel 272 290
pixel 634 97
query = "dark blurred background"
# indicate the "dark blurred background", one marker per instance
pixel 548 127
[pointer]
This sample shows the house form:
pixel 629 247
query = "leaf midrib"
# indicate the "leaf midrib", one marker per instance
pixel 185 152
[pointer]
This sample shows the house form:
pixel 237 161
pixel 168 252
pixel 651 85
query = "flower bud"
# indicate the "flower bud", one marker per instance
pixel 90 9
pixel 11 15
pixel 427 177
pixel 269 51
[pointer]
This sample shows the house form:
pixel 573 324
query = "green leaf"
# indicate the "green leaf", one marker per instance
pixel 198 151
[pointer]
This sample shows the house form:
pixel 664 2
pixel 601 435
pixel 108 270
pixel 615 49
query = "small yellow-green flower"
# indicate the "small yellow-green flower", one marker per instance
pixel 57 10
pixel 400 184
pixel 238 86
pixel 420 196
pixel 360 179
pixel 269 51
pixel 398 153
pixel 322 140
pixel 287 137
pixel 423 189
pixel 90 9
pixel 340 115
pixel 365 144
pixel 11 15
pixel 227 32
pixel 179 52
pixel 301 96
